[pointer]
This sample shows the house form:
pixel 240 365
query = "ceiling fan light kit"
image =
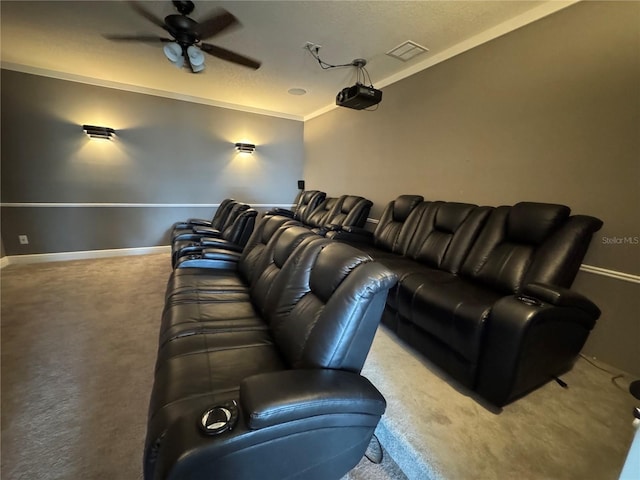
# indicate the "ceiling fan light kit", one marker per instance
pixel 196 58
pixel 186 48
pixel 173 52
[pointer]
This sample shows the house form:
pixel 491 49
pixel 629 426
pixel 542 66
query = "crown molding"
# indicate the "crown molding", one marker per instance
pixel 70 77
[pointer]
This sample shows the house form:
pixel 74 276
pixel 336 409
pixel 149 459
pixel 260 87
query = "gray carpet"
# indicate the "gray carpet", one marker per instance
pixel 78 348
pixel 436 429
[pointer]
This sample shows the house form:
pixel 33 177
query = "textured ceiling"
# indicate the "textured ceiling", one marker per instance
pixel 65 40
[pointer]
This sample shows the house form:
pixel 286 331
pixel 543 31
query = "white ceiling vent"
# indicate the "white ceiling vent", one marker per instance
pixel 407 50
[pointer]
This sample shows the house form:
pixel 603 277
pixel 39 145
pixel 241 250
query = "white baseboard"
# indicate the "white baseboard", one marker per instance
pixel 81 255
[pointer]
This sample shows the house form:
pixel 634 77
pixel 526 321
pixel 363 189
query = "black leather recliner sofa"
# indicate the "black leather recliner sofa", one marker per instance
pixel 223 258
pixel 483 292
pixel 217 222
pixel 335 213
pixel 257 374
pixel 192 228
pixel 233 237
pixel 305 203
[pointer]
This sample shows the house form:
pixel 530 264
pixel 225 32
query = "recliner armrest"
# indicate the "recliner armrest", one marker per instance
pixel 278 397
pixel 322 231
pixel 559 296
pixel 280 211
pixel 352 234
pixel 212 242
pixel 528 341
pixel 199 221
pixel 220 254
pixel 206 231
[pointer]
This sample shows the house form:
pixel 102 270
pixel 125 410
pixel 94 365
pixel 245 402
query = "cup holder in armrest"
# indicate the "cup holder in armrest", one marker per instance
pixel 219 419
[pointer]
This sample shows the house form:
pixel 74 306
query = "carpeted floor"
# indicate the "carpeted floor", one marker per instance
pixel 436 429
pixel 78 349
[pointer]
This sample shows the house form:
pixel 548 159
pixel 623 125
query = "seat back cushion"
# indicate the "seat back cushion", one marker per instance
pixel 386 234
pixel 559 258
pixel 445 233
pixel 509 242
pixel 326 306
pixel 269 266
pixel 221 213
pixel 262 233
pixel 309 201
pixel 235 210
pixel 353 212
pixel 242 227
pixel 318 218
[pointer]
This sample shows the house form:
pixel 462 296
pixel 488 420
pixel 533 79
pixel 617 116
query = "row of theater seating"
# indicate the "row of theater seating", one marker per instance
pixel 466 272
pixel 229 228
pixel 483 292
pixel 226 234
pixel 258 365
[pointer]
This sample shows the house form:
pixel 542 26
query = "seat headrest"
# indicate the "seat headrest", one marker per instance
pixel 307 196
pixel 350 202
pixel 531 223
pixel 403 205
pixel 450 215
pixel 332 266
pixel 271 224
pixel 287 243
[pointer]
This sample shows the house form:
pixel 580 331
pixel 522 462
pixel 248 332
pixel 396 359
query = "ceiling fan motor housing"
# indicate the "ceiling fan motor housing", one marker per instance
pixel 183 29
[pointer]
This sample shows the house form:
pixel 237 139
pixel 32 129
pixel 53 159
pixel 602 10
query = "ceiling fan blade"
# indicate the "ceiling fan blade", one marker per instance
pixel 230 56
pixel 216 24
pixel 137 38
pixel 147 14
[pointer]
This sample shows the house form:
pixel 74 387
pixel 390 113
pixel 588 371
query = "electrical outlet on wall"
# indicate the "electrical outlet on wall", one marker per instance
pixel 24 240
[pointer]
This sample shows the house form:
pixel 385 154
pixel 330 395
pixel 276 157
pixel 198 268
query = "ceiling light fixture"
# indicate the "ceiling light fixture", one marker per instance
pixel 173 52
pixel 94 131
pixel 245 147
pixel 196 58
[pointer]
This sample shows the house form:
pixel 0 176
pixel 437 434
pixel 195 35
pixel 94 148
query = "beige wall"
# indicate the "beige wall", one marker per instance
pixel 548 113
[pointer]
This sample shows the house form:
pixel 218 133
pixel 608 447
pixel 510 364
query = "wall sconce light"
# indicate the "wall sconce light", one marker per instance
pixel 99 132
pixel 245 147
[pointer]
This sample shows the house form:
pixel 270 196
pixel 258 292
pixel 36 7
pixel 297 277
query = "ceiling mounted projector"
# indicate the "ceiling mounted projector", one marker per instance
pixel 358 97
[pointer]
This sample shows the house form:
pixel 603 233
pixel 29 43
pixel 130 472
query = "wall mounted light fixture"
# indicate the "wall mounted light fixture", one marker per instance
pixel 99 132
pixel 245 147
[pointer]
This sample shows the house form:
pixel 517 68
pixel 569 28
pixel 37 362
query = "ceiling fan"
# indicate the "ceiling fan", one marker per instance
pixel 186 46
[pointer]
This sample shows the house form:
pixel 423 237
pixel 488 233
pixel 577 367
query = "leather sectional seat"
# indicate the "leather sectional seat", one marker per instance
pixel 335 213
pixel 332 213
pixel 305 203
pixel 483 292
pixel 258 366
pixel 226 214
pixel 233 236
pixel 217 222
